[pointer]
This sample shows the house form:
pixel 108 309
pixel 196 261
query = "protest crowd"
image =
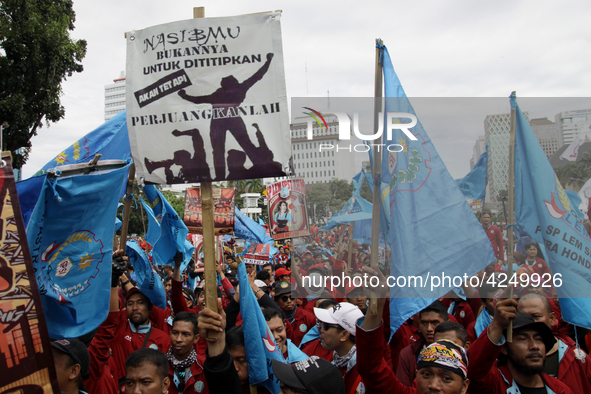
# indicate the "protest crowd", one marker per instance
pixel 133 316
pixel 330 342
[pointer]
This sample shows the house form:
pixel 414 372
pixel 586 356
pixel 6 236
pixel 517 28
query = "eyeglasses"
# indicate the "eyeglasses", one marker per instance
pixel 286 298
pixel 327 326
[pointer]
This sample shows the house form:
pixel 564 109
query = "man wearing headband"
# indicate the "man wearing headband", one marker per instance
pixel 520 363
pixel 442 367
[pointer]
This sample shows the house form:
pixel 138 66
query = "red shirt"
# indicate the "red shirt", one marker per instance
pixel 302 322
pixel 496 239
pixel 125 341
pixel 314 348
pixel 196 382
pixel 371 366
pixel 486 378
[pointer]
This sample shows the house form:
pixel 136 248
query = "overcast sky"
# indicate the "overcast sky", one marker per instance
pixel 438 48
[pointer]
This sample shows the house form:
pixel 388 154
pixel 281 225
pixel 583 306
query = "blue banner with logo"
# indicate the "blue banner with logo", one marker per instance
pixel 545 212
pixel 109 139
pixel 473 185
pixel 259 342
pixel 147 279
pixel 70 235
pixel 433 231
pixel 170 233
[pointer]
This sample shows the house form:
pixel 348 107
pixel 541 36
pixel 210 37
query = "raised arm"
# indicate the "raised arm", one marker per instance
pixel 194 99
pixel 259 74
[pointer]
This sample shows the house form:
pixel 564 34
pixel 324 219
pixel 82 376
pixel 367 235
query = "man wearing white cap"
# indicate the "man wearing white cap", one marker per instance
pixel 337 332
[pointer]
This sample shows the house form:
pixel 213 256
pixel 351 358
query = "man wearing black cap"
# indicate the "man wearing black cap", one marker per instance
pixel 313 375
pixel 71 361
pixel 520 363
pixel 299 319
pixel 130 327
pixel 565 361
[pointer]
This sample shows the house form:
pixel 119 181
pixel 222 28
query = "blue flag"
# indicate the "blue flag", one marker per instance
pixel 473 185
pixel 153 224
pixel 70 235
pixel 355 209
pixel 259 343
pixel 109 139
pixel 433 232
pixel 147 279
pixel 249 230
pixel 357 182
pixel 172 234
pixel 544 211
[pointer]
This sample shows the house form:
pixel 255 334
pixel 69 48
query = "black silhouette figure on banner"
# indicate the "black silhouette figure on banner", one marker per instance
pixel 231 94
pixel 181 157
pixel 190 167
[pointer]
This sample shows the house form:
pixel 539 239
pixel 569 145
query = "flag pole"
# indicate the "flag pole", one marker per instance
pixel 377 172
pixel 485 183
pixel 211 294
pixel 350 253
pixel 511 197
pixel 127 207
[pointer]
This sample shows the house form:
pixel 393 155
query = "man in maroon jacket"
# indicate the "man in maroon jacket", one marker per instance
pixel 429 319
pixel 337 333
pixel 520 363
pixel 185 366
pixel 494 235
pixel 299 319
pixel 441 366
pixel 564 361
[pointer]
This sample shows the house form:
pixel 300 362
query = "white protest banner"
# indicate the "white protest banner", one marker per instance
pixel 206 100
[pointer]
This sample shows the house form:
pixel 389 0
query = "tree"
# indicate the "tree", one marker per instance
pixel 38 55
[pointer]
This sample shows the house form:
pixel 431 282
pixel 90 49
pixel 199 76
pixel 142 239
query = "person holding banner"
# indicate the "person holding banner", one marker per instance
pixel 520 364
pixel 130 328
pixel 565 360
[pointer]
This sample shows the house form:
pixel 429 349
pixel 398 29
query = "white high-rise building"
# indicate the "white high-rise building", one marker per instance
pixel 477 151
pixel 571 124
pixel 317 165
pixel 547 135
pixel 115 97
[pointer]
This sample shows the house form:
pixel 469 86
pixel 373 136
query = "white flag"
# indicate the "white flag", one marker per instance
pixel 572 151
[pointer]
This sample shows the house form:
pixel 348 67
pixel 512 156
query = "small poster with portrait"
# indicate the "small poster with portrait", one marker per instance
pixel 287 209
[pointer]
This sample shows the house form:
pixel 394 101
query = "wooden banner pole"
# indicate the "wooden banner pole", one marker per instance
pixel 211 293
pixel 127 207
pixel 376 174
pixel 511 197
